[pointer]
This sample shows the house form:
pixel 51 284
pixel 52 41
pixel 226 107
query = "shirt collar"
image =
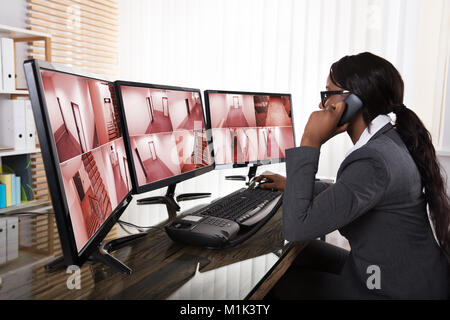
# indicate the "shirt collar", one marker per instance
pixel 374 126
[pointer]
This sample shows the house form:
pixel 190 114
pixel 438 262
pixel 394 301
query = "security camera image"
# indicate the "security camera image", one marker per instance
pixel 250 127
pixel 87 135
pixel 167 132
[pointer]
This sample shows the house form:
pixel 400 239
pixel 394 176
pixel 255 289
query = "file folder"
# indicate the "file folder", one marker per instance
pixel 30 128
pixel 12 238
pixel 12 124
pixel 2 240
pixel 8 74
pixel 1 71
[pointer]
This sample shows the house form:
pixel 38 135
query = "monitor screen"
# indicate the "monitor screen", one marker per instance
pixel 166 131
pixel 90 152
pixel 249 127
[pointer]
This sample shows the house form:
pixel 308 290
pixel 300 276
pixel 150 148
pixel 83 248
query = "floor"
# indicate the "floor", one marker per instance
pixel 276 115
pixel 67 147
pixel 156 170
pixel 161 123
pixel 195 115
pixel 273 149
pixel 236 118
pixel 121 187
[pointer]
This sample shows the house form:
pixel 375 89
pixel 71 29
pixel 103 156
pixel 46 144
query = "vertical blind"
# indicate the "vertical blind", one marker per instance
pixel 285 46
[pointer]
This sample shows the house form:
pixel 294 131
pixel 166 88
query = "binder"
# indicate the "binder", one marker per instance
pixel 12 124
pixel 18 190
pixel 6 179
pixel 12 238
pixel 2 196
pixel 2 240
pixel 1 71
pixel 13 190
pixel 8 75
pixel 30 128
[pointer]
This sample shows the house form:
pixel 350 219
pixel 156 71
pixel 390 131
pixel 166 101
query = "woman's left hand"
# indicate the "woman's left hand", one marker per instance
pixel 322 125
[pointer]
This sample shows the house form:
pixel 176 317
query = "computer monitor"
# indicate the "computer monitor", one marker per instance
pixel 82 145
pixel 249 128
pixel 165 134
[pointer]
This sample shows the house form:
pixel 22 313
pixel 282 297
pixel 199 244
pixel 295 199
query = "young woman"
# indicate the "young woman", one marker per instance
pixel 379 202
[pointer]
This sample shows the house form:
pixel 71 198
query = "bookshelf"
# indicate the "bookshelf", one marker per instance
pixel 31 154
pixel 37 236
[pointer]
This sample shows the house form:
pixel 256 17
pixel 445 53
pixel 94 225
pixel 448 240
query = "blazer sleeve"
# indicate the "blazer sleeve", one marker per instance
pixel 359 188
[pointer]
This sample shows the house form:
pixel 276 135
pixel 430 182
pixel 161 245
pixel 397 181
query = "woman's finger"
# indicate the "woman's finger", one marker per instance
pixel 262 176
pixel 268 185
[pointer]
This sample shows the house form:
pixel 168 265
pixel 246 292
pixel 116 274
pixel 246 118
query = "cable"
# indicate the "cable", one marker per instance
pixel 140 228
pixel 123 228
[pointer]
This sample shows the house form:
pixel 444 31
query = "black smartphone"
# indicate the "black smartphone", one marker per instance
pixel 352 105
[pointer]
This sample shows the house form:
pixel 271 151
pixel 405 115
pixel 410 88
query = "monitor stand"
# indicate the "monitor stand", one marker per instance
pixel 103 255
pixel 251 174
pixel 169 200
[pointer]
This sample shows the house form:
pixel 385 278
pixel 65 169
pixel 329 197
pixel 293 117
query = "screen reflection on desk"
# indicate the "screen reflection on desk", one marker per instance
pixel 224 283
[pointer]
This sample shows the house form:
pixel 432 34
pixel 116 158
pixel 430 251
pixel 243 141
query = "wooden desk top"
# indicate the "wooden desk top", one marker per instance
pixel 163 269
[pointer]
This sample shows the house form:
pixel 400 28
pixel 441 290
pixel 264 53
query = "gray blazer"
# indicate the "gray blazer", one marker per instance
pixel 378 205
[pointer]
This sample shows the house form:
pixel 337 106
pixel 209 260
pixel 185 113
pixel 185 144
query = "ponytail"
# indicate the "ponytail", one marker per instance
pixel 418 141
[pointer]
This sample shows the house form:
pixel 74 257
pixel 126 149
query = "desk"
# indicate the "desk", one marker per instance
pixel 163 269
pixel 166 270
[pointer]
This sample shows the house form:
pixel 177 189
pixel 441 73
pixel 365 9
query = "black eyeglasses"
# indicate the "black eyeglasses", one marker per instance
pixel 324 95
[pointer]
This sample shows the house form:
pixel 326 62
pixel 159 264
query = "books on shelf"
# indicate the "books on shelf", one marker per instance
pixel 2 196
pixel 12 190
pixel 20 166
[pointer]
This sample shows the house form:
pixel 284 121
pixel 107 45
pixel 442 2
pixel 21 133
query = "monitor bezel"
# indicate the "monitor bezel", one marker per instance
pixel 71 254
pixel 137 189
pixel 248 163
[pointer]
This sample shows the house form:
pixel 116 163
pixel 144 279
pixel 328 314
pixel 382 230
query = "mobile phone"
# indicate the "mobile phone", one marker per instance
pixel 352 105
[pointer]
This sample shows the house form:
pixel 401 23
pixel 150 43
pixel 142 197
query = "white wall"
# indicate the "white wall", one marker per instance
pixel 13 13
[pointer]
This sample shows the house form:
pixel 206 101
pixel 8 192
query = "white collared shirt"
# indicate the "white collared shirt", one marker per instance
pixel 375 126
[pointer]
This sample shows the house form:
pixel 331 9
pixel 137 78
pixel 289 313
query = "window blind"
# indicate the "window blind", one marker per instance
pixel 84 33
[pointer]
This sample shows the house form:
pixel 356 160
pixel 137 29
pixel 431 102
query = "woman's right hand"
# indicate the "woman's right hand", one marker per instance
pixel 274 181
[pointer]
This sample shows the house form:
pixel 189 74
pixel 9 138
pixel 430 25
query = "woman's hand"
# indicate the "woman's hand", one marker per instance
pixel 322 125
pixel 274 181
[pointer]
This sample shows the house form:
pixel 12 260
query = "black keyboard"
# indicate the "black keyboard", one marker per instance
pixel 242 205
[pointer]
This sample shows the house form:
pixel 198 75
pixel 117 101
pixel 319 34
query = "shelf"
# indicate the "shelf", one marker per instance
pixel 18 33
pixel 33 205
pixel 19 92
pixel 8 153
